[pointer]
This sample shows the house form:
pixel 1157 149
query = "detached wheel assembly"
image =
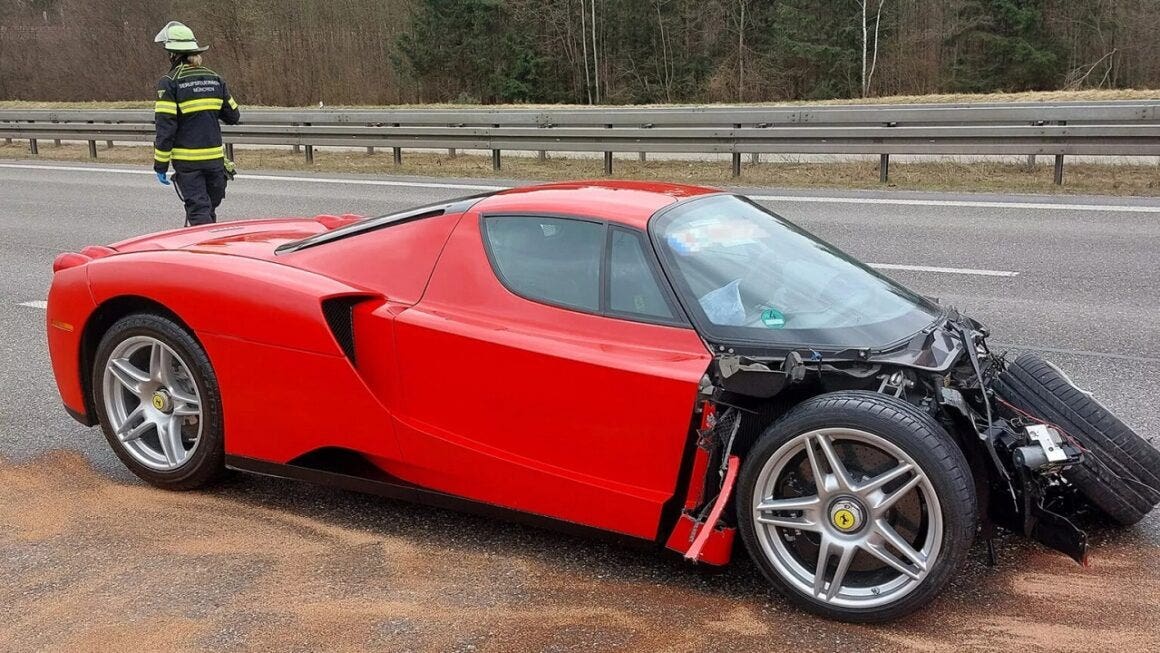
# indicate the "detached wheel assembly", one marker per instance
pixel 1120 472
pixel 857 506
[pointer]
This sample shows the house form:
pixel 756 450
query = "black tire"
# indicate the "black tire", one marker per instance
pixel 206 463
pixel 915 433
pixel 1120 472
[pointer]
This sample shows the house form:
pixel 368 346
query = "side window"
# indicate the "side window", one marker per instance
pixel 632 283
pixel 553 260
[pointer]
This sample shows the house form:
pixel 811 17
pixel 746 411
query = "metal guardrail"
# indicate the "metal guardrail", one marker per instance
pixel 1130 128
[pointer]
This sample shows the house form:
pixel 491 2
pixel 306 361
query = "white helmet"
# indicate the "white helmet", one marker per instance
pixel 178 38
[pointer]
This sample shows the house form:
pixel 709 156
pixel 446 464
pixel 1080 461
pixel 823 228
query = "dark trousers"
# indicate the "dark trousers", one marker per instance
pixel 202 190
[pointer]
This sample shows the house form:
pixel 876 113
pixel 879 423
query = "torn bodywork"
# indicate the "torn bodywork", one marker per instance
pixel 700 533
pixel 947 371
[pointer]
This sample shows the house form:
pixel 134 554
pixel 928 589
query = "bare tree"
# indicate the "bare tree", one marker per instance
pixel 741 50
pixel 584 44
pixel 595 61
pixel 867 77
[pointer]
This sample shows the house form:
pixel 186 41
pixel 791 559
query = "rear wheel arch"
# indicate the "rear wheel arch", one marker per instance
pixel 101 320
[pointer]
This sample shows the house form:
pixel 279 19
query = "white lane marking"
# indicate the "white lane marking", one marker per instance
pixel 124 171
pixel 926 268
pixel 971 204
pixel 39 304
pixel 313 180
pixel 978 204
pixel 375 182
pixel 1077 352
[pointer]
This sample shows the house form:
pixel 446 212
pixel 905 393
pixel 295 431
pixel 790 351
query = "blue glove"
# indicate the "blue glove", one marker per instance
pixel 161 178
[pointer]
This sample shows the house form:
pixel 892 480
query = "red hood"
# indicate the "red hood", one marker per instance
pixel 249 238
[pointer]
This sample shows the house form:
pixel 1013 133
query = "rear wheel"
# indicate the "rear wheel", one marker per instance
pixel 857 506
pixel 158 403
pixel 1120 472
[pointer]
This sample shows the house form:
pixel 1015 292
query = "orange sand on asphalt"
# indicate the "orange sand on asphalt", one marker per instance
pixel 92 564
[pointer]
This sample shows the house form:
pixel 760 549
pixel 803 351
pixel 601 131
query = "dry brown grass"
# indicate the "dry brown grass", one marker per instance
pixel 1091 95
pixel 1085 178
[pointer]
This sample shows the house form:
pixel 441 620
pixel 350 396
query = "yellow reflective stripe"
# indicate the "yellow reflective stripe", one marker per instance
pixel 233 105
pixel 203 104
pixel 163 106
pixel 162 156
pixel 212 101
pixel 197 154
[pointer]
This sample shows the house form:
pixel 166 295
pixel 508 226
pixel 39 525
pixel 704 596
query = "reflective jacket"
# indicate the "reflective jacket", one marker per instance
pixel 190 101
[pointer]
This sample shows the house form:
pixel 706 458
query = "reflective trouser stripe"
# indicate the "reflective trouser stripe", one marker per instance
pixel 162 156
pixel 199 154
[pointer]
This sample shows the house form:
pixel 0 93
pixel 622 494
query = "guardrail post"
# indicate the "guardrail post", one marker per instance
pixel 643 155
pixel 883 168
pixel 92 146
pixel 736 170
pixel 754 158
pixel 56 142
pixel 297 147
pixel 608 159
pixel 309 148
pixel 1030 163
pixel 370 150
pixel 451 152
pixel 1059 162
pixel 542 155
pixel 32 147
pixel 230 151
pixel 398 152
pixel 495 162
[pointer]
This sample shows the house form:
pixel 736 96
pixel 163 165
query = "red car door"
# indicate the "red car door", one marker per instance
pixel 550 372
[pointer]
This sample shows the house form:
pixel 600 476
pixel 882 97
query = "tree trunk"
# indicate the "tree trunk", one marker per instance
pixel 865 87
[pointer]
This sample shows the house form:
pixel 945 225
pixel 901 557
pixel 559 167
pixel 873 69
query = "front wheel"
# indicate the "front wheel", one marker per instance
pixel 158 402
pixel 857 506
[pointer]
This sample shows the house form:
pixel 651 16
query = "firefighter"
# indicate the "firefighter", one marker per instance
pixel 191 99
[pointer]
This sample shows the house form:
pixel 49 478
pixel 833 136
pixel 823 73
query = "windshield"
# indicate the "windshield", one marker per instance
pixel 748 275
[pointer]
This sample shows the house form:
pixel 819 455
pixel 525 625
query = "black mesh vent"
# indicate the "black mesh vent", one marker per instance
pixel 339 314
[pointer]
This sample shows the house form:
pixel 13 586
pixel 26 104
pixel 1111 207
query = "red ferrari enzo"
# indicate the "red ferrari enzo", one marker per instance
pixel 667 363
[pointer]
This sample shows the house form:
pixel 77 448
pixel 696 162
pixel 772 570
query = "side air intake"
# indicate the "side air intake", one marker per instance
pixel 339 314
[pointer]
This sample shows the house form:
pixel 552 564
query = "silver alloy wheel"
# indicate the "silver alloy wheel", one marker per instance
pixel 849 518
pixel 152 403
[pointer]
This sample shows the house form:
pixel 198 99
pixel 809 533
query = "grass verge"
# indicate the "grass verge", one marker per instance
pixel 1089 95
pixel 1080 178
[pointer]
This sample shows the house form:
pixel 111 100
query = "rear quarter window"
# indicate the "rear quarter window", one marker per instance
pixel 552 260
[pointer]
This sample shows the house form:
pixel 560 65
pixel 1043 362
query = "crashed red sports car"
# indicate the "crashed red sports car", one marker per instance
pixel 668 363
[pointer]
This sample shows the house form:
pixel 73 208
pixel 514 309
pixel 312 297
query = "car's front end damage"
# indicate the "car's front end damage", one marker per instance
pixel 815 352
pixel 947 371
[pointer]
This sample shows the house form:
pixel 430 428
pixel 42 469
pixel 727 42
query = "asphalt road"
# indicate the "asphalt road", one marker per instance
pixel 1077 278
